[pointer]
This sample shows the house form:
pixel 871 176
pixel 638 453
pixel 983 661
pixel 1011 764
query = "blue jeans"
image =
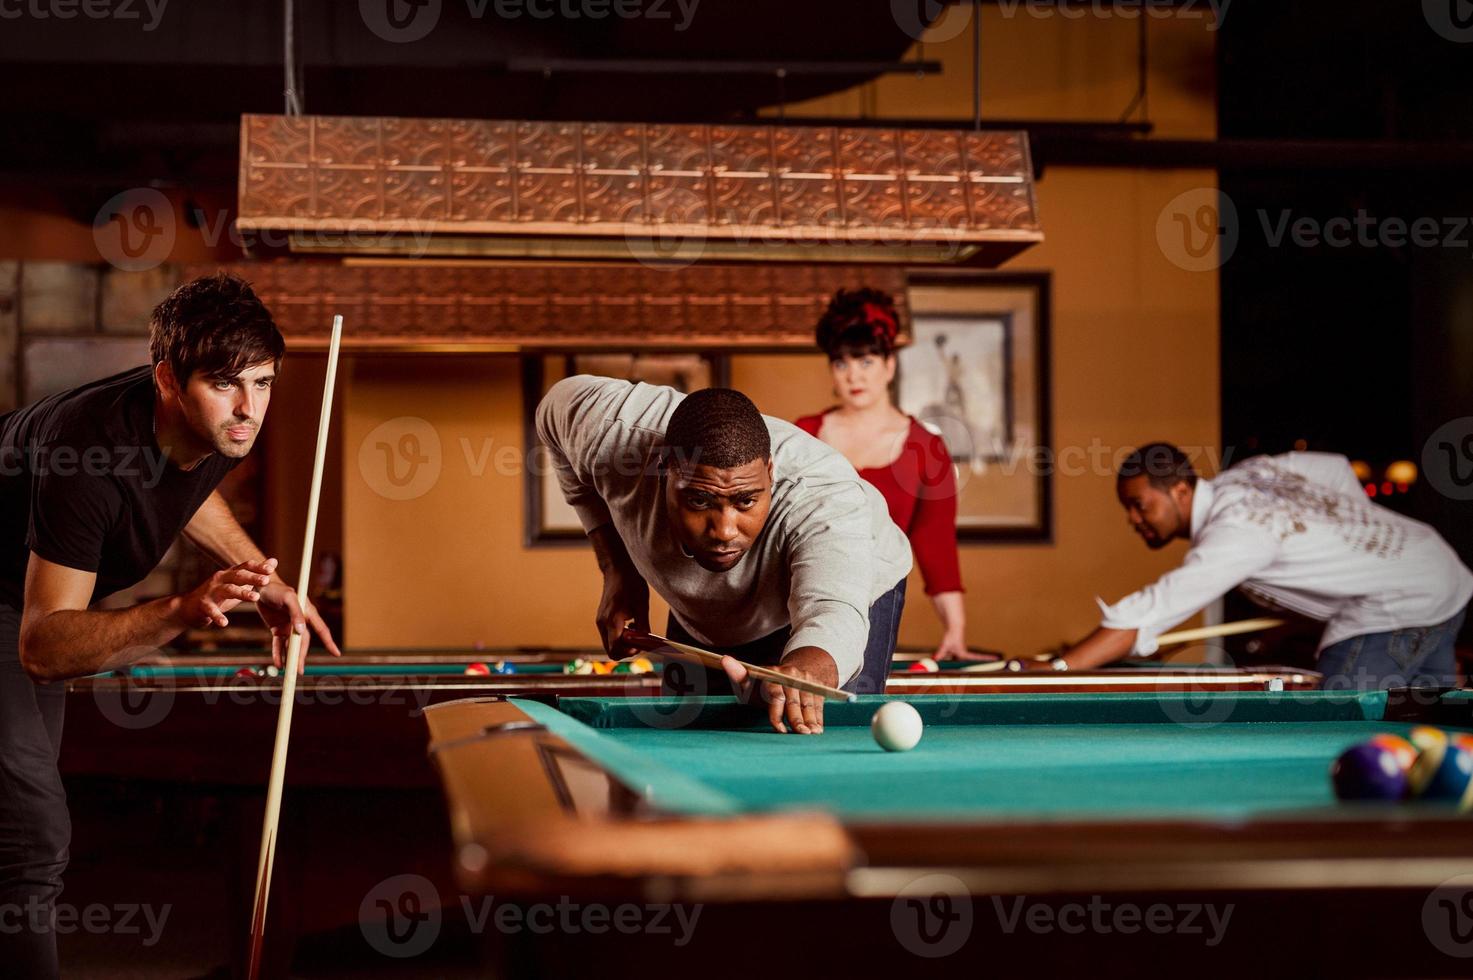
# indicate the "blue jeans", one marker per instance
pixel 884 633
pixel 1418 656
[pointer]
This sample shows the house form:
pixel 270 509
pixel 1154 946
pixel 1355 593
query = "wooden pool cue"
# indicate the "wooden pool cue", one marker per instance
pixel 1165 639
pixel 1221 629
pixel 289 675
pixel 670 650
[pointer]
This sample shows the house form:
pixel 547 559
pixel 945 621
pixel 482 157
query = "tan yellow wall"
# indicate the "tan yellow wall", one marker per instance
pixel 1134 339
pixel 1134 350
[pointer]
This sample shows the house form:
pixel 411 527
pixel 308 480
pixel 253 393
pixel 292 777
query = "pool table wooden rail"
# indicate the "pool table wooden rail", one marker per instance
pixel 528 810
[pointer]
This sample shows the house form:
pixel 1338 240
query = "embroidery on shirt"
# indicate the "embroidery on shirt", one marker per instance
pixel 1286 503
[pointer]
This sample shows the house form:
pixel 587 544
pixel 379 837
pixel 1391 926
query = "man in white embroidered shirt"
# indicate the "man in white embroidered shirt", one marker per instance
pixel 1297 532
pixel 765 542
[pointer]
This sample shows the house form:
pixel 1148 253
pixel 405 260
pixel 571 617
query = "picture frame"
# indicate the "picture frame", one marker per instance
pixel 976 372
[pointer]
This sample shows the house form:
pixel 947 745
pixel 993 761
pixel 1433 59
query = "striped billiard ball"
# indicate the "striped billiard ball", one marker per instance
pixel 1405 752
pixel 1444 769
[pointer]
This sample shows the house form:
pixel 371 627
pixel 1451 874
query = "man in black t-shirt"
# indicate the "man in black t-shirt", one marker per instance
pixel 95 484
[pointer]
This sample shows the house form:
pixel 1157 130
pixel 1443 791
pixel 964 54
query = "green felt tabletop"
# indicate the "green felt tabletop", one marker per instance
pixel 327 668
pixel 1132 756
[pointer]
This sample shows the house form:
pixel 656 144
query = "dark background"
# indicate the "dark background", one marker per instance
pixel 1364 351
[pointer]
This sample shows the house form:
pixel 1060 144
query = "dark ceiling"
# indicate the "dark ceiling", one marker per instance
pixel 159 97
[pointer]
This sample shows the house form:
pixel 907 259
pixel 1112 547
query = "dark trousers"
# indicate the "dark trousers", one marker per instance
pixel 35 829
pixel 884 632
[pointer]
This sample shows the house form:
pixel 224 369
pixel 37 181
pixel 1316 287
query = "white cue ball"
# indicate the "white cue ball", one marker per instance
pixel 897 726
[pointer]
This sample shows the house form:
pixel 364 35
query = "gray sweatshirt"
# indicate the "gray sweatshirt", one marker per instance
pixel 826 553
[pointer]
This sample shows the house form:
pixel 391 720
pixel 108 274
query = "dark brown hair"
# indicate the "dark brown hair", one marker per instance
pixel 214 325
pixel 858 322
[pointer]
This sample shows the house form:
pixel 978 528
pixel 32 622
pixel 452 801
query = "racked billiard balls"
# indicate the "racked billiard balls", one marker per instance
pixel 1444 772
pixel 1368 772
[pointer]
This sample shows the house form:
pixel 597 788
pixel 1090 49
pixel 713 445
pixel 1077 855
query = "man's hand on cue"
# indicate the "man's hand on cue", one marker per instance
pixel 285 612
pixel 625 605
pixel 787 707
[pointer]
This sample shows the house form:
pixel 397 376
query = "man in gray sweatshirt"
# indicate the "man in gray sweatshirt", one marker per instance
pixel 764 541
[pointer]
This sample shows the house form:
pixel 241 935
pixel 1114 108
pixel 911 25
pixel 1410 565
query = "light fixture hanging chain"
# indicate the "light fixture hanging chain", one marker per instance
pixel 1142 85
pixel 977 64
pixel 293 90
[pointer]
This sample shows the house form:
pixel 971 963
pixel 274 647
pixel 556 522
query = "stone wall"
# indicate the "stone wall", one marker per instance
pixel 66 323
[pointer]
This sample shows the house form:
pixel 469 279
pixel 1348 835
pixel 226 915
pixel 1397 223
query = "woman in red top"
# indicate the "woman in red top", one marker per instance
pixel 908 463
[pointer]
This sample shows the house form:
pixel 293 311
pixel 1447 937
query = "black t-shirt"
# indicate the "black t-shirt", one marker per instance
pixel 83 484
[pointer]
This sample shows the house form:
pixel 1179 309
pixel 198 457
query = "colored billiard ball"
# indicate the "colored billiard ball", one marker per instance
pixel 572 666
pixel 1444 772
pixel 247 674
pixel 477 670
pixel 1405 752
pixel 897 726
pixel 503 667
pixel 1368 772
pixel 641 665
pixel 924 666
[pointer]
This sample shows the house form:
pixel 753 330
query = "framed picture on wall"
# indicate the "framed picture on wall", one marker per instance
pixel 548 519
pixel 976 372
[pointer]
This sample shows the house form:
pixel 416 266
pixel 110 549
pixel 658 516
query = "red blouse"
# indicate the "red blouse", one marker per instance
pixel 920 487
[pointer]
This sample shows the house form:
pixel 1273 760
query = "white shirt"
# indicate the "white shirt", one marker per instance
pixel 828 550
pixel 1297 532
